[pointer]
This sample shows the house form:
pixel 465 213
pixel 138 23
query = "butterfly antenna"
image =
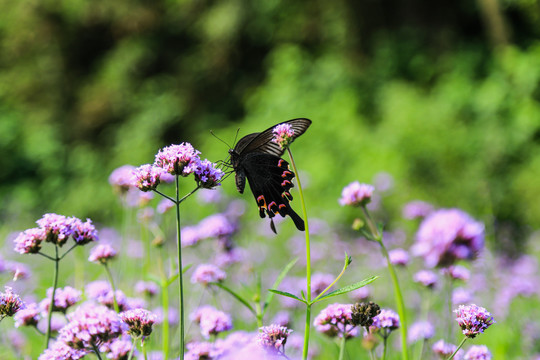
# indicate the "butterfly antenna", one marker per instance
pixel 214 135
pixel 236 136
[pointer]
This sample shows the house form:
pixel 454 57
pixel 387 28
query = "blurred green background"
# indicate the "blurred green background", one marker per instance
pixel 443 97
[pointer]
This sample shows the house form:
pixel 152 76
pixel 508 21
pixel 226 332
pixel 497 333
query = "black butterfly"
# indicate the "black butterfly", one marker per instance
pixel 257 158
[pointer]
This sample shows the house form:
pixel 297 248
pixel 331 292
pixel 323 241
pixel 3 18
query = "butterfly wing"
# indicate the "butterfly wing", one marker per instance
pixel 262 142
pixel 269 178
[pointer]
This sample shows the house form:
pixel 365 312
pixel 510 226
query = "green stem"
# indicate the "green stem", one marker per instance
pixel 51 303
pixel 165 309
pixel 308 260
pixel 96 350
pixel 143 345
pixel 110 277
pixel 457 349
pixel 397 290
pixel 180 276
pixel 258 314
pixel 133 346
pixel 342 347
pixel 68 251
pixel 384 347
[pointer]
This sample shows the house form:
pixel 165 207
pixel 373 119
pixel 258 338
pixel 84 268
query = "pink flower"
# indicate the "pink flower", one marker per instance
pixel 356 194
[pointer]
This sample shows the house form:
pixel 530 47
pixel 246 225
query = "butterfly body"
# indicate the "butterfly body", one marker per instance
pixel 258 159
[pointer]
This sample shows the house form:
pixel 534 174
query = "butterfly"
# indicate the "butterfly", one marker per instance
pixel 257 158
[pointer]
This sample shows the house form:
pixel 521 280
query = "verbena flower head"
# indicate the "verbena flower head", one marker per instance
pixel 444 350
pixel 399 257
pixel 102 253
pixel 148 288
pixel 417 210
pixel 139 321
pixel 121 178
pixel 147 177
pixel 364 313
pixel 19 270
pixel 10 303
pixel 164 206
pixel 201 350
pixel 29 316
pixel 478 352
pixel 283 135
pixel 448 235
pixel 177 159
pixel 29 241
pixel 90 326
pixel 101 292
pixel 457 272
pixel 319 282
pixel 207 273
pixel 57 228
pixel 461 296
pixel 356 194
pixel 83 232
pixel 64 298
pixel 273 338
pixel 61 351
pixel 336 320
pixel 119 349
pixel 473 319
pixel 384 323
pixel 207 175
pixel 420 330
pixel 216 225
pixel 211 320
pixel 426 277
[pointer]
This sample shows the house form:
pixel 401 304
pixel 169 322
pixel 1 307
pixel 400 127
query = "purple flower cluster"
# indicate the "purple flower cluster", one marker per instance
pixel 477 352
pixel 421 330
pixel 214 226
pixel 83 232
pixel 417 210
pixel 202 350
pixel 444 350
pixel 61 351
pixel 283 135
pixel 101 292
pixel 384 323
pixel 121 178
pixel 207 273
pixel 119 349
pixel 473 319
pixel 457 272
pixel 319 282
pixel 147 288
pixel 10 303
pixel 207 175
pixel 57 228
pixel 102 253
pixel 399 257
pixel 29 241
pixel 147 177
pixel 139 321
pixel 426 277
pixel 273 338
pixel 177 159
pixel 29 316
pixel 336 320
pixel 356 194
pixel 211 320
pixel 64 298
pixel 448 235
pixel 90 326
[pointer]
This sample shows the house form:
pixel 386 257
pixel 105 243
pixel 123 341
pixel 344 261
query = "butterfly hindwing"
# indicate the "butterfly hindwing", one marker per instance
pixel 269 178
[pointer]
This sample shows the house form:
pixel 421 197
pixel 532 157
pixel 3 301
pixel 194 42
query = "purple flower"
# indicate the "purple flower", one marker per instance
pixel 384 323
pixel 10 303
pixel 336 320
pixel 356 194
pixel 121 178
pixel 282 318
pixel 457 272
pixel 29 241
pixel 273 338
pixel 361 294
pixel 426 278
pixel 461 296
pixel 399 257
pixel 319 282
pixel 448 235
pixel 421 330
pixel 57 228
pixel 217 225
pixel 19 270
pixel 147 288
pixel 164 206
pixel 90 326
pixel 207 175
pixel 212 321
pixel 28 316
pixel 444 350
pixel 61 351
pixel 207 273
pixel 101 292
pixel 119 349
pixel 190 235
pixel 147 177
pixel 200 351
pixel 473 319
pixel 478 352
pixel 83 232
pixel 283 135
pixel 102 253
pixel 172 315
pixel 64 298
pixel 177 159
pixel 139 321
pixel 417 210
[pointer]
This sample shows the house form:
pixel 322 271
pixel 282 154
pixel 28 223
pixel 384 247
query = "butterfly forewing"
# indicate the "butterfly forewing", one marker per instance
pixel 262 142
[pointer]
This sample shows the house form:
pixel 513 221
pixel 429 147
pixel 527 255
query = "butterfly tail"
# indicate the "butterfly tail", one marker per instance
pixel 297 220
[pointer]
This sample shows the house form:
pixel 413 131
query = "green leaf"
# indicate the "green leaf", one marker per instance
pixel 284 293
pixel 278 281
pixel 347 288
pixel 237 297
pixel 175 276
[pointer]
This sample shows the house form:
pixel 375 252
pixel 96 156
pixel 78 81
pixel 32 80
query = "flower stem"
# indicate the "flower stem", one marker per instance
pixel 308 260
pixel 384 348
pixel 457 349
pixel 397 290
pixel 180 276
pixel 342 347
pixel 110 277
pixel 133 346
pixel 51 303
pixel 165 309
pixel 96 350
